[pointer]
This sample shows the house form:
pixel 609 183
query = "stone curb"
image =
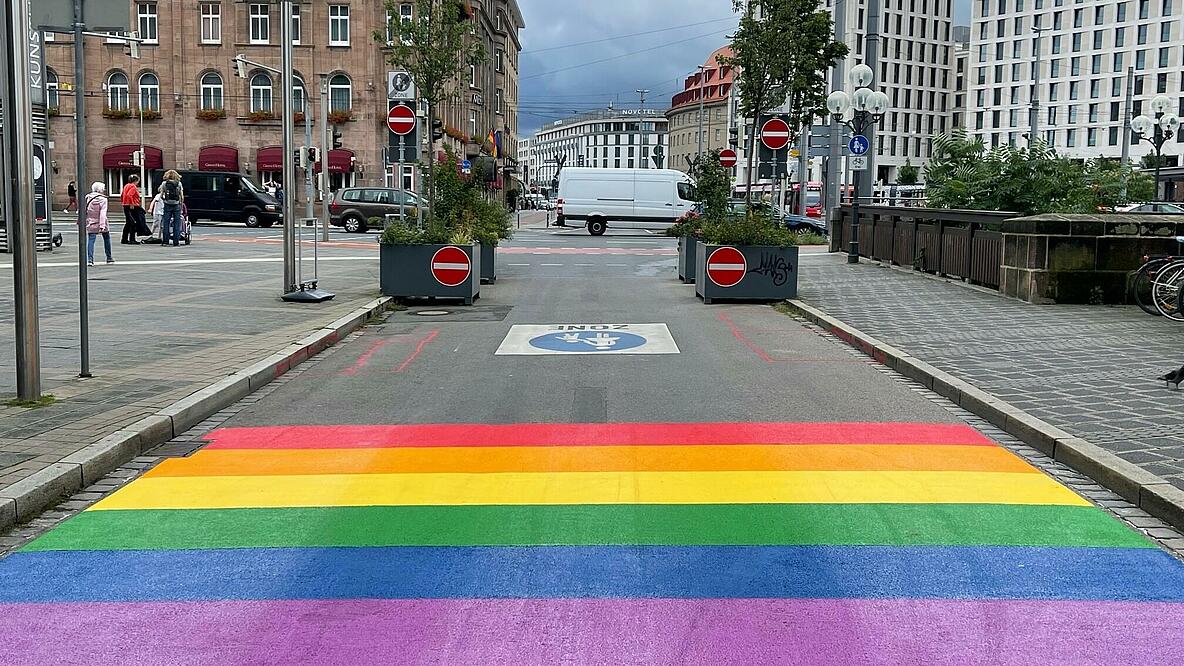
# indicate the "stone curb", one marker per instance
pixel 27 498
pixel 1136 485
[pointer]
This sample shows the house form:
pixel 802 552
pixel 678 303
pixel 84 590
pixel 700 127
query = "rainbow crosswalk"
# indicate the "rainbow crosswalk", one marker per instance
pixel 594 543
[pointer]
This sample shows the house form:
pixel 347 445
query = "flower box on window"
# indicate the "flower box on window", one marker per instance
pixel 116 114
pixel 297 117
pixel 211 114
pixel 150 114
pixel 339 117
pixel 53 112
pixel 260 116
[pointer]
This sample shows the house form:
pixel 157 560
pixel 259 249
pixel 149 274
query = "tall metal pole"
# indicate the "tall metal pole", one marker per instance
pixel 1159 139
pixel 803 168
pixel 324 177
pixel 702 73
pixel 289 178
pixel 1126 127
pixel 18 198
pixel 871 58
pixel 834 162
pixel 857 180
pixel 80 183
pixel 308 188
pixel 1034 111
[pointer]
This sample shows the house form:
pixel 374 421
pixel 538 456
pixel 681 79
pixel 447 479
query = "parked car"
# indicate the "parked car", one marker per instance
pixel 625 198
pixel 352 207
pixel 1153 207
pixel 226 197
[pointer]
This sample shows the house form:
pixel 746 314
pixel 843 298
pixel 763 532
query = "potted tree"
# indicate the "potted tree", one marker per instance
pixel 712 188
pixel 462 204
pixel 746 257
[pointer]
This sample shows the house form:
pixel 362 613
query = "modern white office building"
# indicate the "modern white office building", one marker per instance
pixel 1086 48
pixel 610 138
pixel 526 160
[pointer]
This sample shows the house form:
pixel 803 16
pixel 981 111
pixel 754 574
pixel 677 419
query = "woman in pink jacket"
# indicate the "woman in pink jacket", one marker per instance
pixel 96 222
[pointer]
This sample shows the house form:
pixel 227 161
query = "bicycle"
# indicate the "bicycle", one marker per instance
pixel 1144 279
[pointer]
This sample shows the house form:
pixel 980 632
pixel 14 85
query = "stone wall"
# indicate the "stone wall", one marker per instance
pixel 1081 258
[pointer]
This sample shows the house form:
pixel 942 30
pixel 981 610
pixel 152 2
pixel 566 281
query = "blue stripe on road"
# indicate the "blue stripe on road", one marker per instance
pixel 595 572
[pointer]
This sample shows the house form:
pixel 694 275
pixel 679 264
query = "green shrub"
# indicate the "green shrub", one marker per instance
pixel 755 228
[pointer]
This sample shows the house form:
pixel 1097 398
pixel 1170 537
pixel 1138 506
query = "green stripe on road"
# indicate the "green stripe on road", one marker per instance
pixel 534 525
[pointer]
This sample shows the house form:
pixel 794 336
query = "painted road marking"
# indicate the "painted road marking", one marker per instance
pixel 873 559
pixel 587 339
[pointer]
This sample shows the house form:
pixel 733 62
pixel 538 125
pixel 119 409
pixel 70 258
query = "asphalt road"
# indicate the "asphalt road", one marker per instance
pixel 753 494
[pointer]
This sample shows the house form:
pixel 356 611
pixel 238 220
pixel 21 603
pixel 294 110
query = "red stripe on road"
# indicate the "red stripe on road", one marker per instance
pixel 596 434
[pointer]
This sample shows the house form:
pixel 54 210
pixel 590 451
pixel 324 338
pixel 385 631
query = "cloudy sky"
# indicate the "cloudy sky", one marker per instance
pixel 572 59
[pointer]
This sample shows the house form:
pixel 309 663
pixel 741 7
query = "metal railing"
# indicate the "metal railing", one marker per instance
pixel 965 244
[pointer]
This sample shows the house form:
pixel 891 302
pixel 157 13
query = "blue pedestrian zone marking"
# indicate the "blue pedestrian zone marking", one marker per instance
pixel 858 144
pixel 587 341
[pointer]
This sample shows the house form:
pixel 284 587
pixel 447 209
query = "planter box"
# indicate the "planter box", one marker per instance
pixel 406 271
pixel 747 272
pixel 686 258
pixel 488 263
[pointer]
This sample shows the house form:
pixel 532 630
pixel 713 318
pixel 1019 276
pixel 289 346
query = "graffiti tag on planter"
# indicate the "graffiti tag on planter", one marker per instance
pixel 774 266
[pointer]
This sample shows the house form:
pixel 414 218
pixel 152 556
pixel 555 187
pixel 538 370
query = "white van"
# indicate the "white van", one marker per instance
pixel 624 198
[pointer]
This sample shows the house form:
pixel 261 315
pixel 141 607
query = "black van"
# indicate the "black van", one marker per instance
pixel 225 197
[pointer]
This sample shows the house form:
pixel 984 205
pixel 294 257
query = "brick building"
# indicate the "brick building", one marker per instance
pixel 182 99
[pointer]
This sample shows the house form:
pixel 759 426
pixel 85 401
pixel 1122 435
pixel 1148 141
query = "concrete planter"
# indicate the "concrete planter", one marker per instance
pixel 488 263
pixel 767 273
pixel 686 258
pixel 405 271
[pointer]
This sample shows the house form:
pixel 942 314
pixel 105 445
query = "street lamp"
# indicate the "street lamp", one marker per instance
pixel 1157 132
pixel 858 111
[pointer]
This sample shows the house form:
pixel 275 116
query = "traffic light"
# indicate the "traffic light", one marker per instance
pixel 240 66
pixel 580 161
pixel 336 137
pixel 313 156
pixel 137 158
pixel 301 158
pixel 437 129
pixel 734 136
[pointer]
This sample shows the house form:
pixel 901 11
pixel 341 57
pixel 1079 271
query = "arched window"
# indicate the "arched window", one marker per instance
pixel 51 89
pixel 149 92
pixel 261 93
pixel 299 95
pixel 340 93
pixel 211 92
pixel 117 91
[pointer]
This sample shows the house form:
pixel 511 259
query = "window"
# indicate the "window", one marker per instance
pixel 146 19
pixel 296 24
pixel 499 61
pixel 261 101
pixel 1056 43
pixel 1113 140
pixel 211 23
pixel 1099 15
pixel 498 102
pixel 1078 18
pixel 1161 82
pixel 338 25
pixel 340 93
pixel 1091 136
pixel 1052 92
pixel 1076 42
pixel 1140 59
pixel 1119 36
pixel 260 23
pixel 1071 138
pixel 1119 59
pixel 472 75
pixel 149 86
pixel 1057 23
pixel 1144 8
pixel 1121 11
pixel 1093 113
pixel 1165 57
pixel 1165 32
pixel 211 92
pixel 1097 39
pixel 117 91
pixel 51 88
pixel 299 95
pixel 1167 8
pixel 1142 39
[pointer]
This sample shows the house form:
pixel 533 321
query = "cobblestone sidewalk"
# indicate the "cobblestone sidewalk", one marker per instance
pixel 1089 370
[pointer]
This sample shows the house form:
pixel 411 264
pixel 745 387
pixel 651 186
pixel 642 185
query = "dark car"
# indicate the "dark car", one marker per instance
pixel 792 221
pixel 353 207
pixel 226 197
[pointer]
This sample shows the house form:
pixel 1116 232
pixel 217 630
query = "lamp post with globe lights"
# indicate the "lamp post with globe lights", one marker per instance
pixel 858 111
pixel 1157 132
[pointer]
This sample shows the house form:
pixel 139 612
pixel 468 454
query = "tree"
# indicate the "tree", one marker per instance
pixel 782 50
pixel 435 48
pixel 909 174
pixel 713 186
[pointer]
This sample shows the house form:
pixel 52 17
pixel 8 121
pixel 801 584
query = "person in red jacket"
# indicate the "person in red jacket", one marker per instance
pixel 133 210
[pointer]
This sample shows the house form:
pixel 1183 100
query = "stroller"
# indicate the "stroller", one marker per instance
pixel 186 228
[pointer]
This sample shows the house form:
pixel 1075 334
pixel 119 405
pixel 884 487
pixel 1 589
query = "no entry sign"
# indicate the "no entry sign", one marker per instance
pixel 726 266
pixel 727 158
pixel 401 120
pixel 775 134
pixel 451 266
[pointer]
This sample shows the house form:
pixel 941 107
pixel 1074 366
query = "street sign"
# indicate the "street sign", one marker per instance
pixel 466 166
pixel 858 145
pixel 726 266
pixel 727 158
pixel 400 87
pixel 401 120
pixel 451 266
pixel 101 15
pixel 775 134
pixel 858 162
pixel 587 339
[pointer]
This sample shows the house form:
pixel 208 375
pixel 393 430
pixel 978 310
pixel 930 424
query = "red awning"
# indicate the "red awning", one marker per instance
pixel 217 158
pixel 341 160
pixel 120 157
pixel 270 158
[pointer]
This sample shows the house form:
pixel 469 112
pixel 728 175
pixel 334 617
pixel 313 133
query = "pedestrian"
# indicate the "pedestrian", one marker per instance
pixel 133 208
pixel 96 222
pixel 72 192
pixel 157 210
pixel 172 194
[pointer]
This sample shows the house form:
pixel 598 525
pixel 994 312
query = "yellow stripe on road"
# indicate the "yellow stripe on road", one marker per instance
pixel 223 492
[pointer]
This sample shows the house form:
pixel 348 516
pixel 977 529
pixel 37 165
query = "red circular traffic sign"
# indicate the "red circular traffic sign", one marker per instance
pixel 401 120
pixel 775 134
pixel 727 158
pixel 726 266
pixel 451 266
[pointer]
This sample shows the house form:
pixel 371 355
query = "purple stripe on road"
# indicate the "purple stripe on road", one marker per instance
pixel 627 631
